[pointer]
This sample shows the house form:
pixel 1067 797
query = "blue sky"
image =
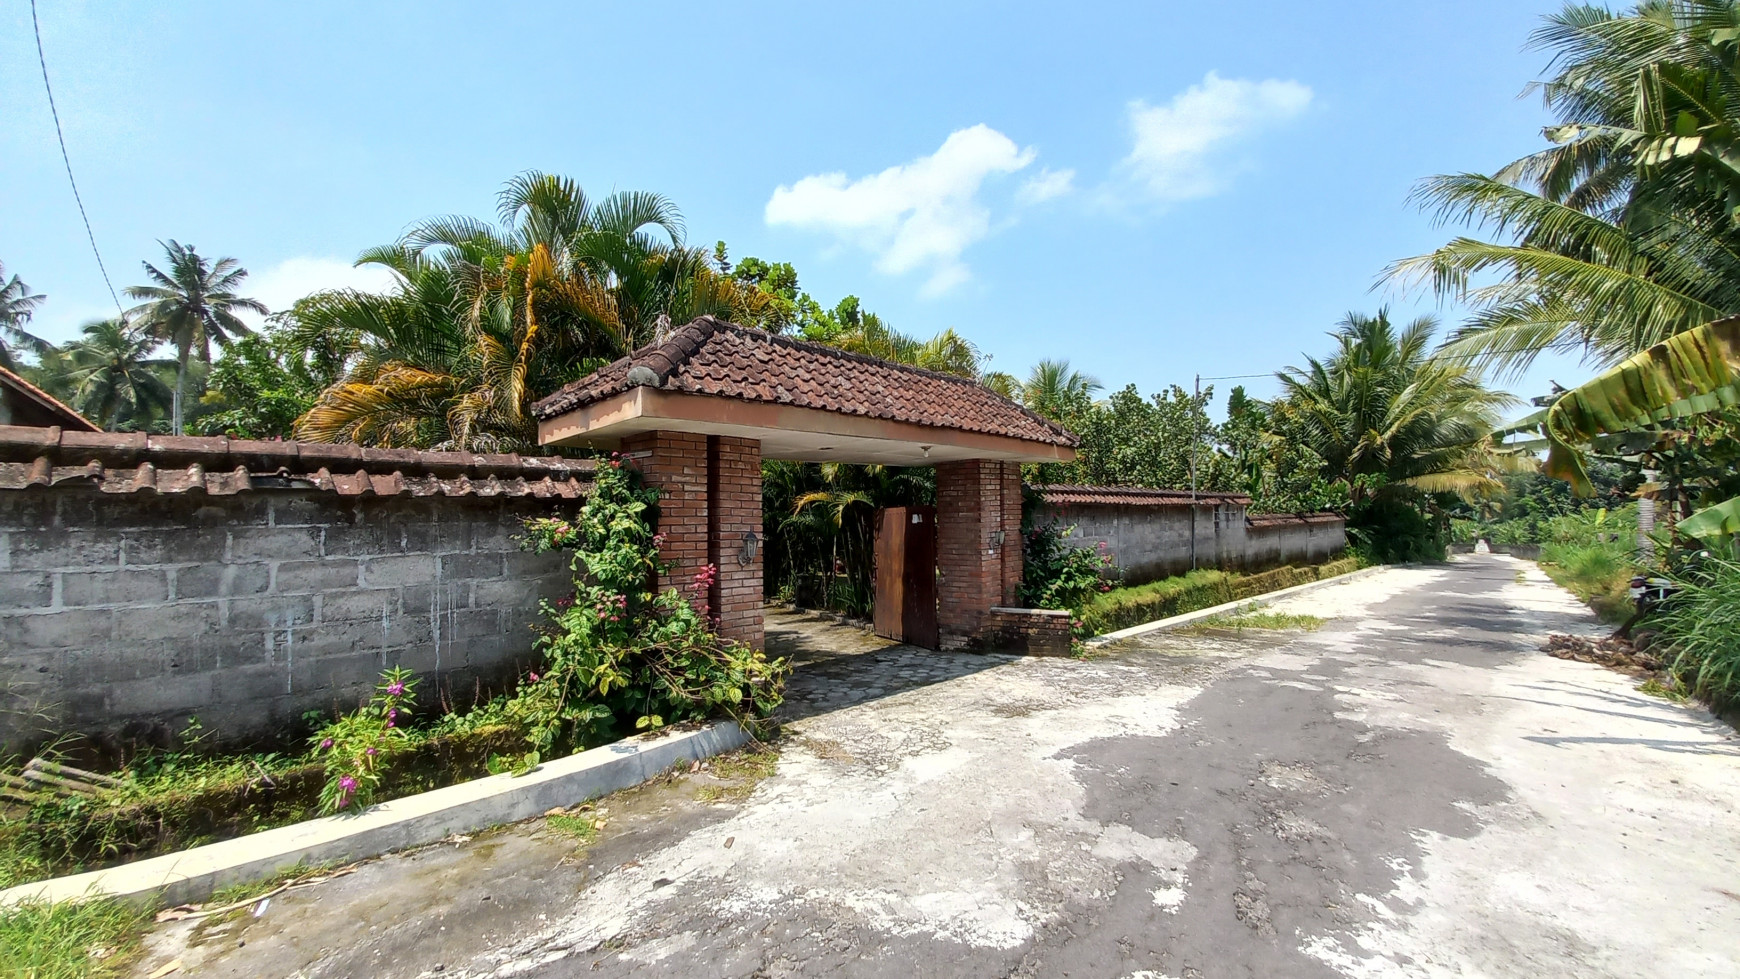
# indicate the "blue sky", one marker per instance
pixel 1150 190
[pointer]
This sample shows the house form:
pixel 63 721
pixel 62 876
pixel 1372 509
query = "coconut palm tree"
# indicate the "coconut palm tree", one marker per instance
pixel 1624 232
pixel 111 375
pixel 191 307
pixel 17 305
pixel 1387 418
pixel 487 319
pixel 1055 391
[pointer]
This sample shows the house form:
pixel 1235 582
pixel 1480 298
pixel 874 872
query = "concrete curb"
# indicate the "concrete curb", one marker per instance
pixel 1165 625
pixel 192 875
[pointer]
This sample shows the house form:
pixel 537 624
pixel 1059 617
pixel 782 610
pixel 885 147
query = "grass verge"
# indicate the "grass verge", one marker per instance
pixel 69 940
pixel 740 772
pixel 1599 574
pixel 1257 618
pixel 1122 608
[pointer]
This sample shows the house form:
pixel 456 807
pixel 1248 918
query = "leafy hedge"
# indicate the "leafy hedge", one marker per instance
pixel 1126 607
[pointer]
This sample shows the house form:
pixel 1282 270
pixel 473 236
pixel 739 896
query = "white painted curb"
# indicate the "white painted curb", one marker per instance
pixel 192 875
pixel 1164 625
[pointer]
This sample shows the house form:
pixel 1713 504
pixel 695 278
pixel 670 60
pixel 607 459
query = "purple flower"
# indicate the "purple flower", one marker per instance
pixel 372 752
pixel 395 688
pixel 392 713
pixel 324 745
pixel 347 783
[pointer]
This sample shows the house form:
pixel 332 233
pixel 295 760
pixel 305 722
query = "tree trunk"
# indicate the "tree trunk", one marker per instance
pixel 180 385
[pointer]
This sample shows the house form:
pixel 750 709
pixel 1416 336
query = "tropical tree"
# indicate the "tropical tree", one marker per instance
pixel 1626 230
pixel 486 319
pixel 17 305
pixel 1054 390
pixel 1386 417
pixel 111 376
pixel 192 306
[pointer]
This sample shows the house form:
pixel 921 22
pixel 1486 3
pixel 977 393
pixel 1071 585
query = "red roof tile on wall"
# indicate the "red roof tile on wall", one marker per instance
pixel 1069 495
pixel 712 357
pixel 118 462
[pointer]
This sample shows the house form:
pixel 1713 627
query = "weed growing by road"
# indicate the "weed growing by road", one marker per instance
pixel 584 829
pixel 741 771
pixel 1259 619
pixel 68 940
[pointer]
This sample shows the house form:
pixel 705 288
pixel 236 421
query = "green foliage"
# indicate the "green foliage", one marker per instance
pixel 1259 618
pixel 1592 554
pixel 621 657
pixel 1702 626
pixel 259 386
pixel 191 306
pixel 356 748
pixel 1392 531
pixel 69 939
pixel 1122 608
pixel 1059 575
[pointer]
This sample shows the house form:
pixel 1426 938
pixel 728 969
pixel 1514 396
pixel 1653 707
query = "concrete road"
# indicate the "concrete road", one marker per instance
pixel 1411 790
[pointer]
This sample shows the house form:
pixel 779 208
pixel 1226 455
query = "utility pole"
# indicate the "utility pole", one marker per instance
pixel 1195 438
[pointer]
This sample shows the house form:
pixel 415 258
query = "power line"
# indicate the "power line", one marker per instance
pixel 42 60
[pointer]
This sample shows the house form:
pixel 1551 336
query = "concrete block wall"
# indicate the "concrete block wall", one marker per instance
pixel 124 614
pixel 1152 542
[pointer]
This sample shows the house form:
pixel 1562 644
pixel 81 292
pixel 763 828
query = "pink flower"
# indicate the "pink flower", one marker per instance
pixel 325 744
pixel 347 783
pixel 372 752
pixel 395 688
pixel 532 677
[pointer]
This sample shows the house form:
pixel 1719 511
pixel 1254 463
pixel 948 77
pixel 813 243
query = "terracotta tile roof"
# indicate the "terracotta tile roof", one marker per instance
pixel 1280 519
pixel 138 463
pixel 1068 495
pixel 44 407
pixel 712 357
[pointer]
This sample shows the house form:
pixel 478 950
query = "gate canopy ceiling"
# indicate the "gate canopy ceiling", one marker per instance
pixel 803 401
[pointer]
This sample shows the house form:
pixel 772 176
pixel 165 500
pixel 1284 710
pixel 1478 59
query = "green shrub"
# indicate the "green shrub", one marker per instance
pixel 1336 568
pixel 620 656
pixel 1122 608
pixel 1388 531
pixel 1702 626
pixel 1057 575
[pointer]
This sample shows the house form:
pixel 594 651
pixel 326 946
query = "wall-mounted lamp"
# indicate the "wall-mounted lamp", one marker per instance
pixel 926 450
pixel 997 538
pixel 750 544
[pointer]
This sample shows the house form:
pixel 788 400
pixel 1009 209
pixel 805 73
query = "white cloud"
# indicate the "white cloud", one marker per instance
pixel 281 285
pixel 921 214
pixel 1045 185
pixel 1179 146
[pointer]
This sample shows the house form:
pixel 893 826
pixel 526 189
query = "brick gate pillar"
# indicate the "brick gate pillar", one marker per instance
pixel 709 498
pixel 978 546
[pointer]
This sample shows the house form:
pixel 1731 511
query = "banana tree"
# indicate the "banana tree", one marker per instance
pixel 1692 373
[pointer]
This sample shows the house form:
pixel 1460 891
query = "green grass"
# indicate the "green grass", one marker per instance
pixel 1258 619
pixel 1598 573
pixel 68 940
pixel 583 829
pixel 1702 626
pixel 1121 608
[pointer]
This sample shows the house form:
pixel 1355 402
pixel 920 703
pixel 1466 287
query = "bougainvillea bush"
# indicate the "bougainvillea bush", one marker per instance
pixel 621 655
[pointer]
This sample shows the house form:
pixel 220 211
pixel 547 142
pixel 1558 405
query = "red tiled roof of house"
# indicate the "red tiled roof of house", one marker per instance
pixel 719 359
pixel 123 462
pixel 45 404
pixel 1070 495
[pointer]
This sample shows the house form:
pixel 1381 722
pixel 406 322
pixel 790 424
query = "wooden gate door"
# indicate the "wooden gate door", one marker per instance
pixel 906 575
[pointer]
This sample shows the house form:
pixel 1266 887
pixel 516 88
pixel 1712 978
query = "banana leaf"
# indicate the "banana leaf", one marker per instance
pixel 1693 372
pixel 1713 523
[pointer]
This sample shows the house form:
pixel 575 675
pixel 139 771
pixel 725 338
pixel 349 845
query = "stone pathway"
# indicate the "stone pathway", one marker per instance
pixel 840 664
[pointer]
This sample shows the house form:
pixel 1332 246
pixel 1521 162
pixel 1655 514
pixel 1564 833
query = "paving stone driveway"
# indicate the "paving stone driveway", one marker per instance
pixel 1410 791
